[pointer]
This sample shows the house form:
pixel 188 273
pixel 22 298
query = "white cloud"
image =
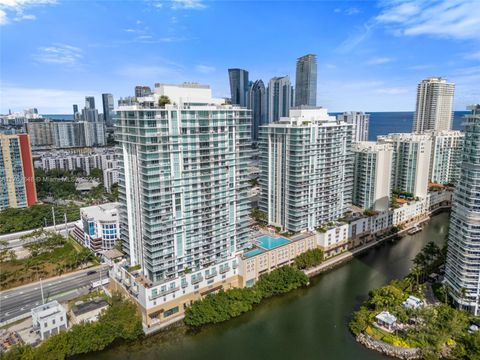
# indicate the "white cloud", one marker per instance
pixel 3 17
pixel 60 54
pixel 458 19
pixel 348 11
pixel 48 101
pixel 352 11
pixel 356 38
pixel 188 4
pixel 14 10
pixel 379 60
pixel 204 69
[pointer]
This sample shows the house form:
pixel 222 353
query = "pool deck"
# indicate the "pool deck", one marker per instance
pixel 266 243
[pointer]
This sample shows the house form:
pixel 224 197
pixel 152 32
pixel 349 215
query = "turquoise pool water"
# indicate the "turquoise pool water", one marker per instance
pixel 253 252
pixel 268 242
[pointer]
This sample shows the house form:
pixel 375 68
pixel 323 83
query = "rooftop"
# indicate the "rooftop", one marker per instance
pixel 106 212
pixel 386 318
pixel 48 309
pixel 87 306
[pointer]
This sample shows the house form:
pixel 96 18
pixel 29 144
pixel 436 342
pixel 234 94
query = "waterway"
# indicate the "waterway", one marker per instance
pixel 309 323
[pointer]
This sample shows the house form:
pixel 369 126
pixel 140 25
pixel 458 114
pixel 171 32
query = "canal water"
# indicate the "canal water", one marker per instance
pixel 308 323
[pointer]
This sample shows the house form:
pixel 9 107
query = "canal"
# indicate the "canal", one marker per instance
pixel 309 323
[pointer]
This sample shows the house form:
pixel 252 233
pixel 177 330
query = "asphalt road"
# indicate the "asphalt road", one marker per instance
pixel 21 300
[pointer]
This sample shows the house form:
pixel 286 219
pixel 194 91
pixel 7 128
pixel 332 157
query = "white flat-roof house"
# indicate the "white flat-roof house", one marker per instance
pixel 49 319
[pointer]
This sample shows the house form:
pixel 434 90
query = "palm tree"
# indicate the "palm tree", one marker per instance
pixel 463 295
pixel 416 271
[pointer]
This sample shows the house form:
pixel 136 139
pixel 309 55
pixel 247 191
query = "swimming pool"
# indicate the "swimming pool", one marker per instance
pixel 253 252
pixel 268 242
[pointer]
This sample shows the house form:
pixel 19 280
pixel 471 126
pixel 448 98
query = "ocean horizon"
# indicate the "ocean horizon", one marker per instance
pixel 381 122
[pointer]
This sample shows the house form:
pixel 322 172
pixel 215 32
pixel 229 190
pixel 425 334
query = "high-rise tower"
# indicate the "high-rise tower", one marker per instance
pixel 183 182
pixel 108 109
pixel 434 105
pixel 462 271
pixel 306 81
pixel 258 105
pixel 17 179
pixel 306 169
pixel 279 96
pixel 238 86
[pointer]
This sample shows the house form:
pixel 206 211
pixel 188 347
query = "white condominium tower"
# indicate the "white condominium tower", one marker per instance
pixel 462 272
pixel 183 181
pixel 372 175
pixel 446 156
pixel 411 162
pixel 360 122
pixel 306 169
pixel 434 105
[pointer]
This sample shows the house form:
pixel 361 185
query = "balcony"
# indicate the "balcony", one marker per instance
pixel 197 279
pixel 163 293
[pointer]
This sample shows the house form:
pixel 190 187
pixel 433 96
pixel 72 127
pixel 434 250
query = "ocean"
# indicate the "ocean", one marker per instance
pixel 381 123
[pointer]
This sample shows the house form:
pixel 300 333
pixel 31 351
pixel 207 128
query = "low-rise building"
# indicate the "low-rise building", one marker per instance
pixel 333 238
pixel 271 252
pixel 49 319
pixel 88 311
pixel 412 303
pixel 98 227
pixel 386 320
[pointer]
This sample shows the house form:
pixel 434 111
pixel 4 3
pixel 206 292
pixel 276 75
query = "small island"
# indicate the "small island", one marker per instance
pixel 411 318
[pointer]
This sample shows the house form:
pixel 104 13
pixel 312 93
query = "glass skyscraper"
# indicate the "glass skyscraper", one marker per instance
pixel 238 86
pixel 258 105
pixel 462 272
pixel 279 98
pixel 108 109
pixel 306 81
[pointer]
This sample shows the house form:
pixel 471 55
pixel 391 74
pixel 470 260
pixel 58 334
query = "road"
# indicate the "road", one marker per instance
pixel 14 239
pixel 21 300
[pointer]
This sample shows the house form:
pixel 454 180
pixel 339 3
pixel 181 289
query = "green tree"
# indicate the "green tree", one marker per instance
pixel 163 100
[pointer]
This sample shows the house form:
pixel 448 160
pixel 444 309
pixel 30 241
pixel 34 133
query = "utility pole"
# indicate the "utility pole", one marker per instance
pixel 66 226
pixel 53 216
pixel 41 289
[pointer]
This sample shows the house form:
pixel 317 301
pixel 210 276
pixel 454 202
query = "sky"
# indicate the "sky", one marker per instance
pixel 370 54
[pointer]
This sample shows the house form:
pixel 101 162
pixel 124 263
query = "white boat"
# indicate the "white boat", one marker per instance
pixel 414 230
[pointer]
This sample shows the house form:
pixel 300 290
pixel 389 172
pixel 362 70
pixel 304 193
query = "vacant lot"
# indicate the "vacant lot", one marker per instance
pixel 54 256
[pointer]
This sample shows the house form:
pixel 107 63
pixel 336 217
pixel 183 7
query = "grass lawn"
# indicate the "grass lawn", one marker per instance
pixel 65 258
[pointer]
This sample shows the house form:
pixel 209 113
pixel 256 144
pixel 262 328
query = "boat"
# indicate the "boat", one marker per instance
pixel 414 230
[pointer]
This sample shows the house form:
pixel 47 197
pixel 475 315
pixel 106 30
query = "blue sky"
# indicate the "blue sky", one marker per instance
pixel 370 54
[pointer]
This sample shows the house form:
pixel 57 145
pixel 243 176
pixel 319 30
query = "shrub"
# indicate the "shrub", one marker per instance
pixel 309 259
pixel 224 305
